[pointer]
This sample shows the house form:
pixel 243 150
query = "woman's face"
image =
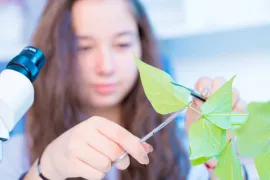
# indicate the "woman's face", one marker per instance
pixel 107 36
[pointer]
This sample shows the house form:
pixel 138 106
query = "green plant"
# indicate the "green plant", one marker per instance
pixel 253 138
pixel 207 135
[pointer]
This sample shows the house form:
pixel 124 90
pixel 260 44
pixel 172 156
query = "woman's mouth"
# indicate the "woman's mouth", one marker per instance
pixel 105 89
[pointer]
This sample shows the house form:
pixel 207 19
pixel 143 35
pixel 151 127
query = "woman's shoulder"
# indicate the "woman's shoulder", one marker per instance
pixel 15 156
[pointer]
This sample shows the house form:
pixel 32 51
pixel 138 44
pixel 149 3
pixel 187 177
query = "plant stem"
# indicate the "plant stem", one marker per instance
pixel 225 114
pixel 216 114
pixel 195 110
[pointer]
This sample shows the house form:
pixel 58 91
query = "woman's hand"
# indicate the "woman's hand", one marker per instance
pixel 88 149
pixel 207 86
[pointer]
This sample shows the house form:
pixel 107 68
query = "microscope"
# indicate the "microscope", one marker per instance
pixel 16 89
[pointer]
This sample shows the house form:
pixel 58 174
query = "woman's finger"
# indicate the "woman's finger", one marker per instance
pixel 203 86
pixel 93 158
pixel 235 97
pixel 240 107
pixel 108 148
pixel 123 164
pixel 124 138
pixel 104 145
pixel 148 148
pixel 83 170
pixel 217 83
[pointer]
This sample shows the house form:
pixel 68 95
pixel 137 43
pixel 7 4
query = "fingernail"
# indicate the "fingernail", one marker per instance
pixel 145 159
pixel 147 147
pixel 151 149
pixel 205 92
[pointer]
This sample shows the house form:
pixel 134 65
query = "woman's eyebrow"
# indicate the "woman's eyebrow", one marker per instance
pixel 83 37
pixel 119 34
pixel 123 33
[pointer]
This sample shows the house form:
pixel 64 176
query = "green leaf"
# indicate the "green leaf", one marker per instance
pixel 229 166
pixel 201 160
pixel 237 121
pixel 262 164
pixel 205 139
pixel 253 138
pixel 162 94
pixel 219 103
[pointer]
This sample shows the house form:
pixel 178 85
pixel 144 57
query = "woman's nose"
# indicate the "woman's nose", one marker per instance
pixel 105 62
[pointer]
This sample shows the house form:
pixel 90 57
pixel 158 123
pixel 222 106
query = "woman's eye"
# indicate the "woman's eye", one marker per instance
pixel 84 48
pixel 124 45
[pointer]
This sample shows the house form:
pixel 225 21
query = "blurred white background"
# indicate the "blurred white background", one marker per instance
pixel 200 38
pixel 216 38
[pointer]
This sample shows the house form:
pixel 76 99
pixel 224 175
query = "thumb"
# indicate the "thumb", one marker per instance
pixel 203 86
pixel 147 147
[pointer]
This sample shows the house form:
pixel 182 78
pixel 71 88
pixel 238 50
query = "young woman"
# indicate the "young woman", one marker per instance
pixel 90 106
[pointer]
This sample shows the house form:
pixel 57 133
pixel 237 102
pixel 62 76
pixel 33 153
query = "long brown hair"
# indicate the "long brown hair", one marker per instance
pixel 55 109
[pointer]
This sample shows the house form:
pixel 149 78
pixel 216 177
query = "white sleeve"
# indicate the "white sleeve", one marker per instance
pixel 15 158
pixel 198 173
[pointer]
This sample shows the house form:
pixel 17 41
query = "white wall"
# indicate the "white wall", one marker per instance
pixel 244 53
pixel 175 18
pixel 252 72
pixel 18 21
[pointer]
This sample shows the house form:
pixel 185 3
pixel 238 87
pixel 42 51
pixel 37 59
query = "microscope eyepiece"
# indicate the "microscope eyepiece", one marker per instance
pixel 29 62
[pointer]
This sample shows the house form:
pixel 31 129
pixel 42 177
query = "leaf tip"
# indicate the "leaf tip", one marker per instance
pixel 134 56
pixel 232 79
